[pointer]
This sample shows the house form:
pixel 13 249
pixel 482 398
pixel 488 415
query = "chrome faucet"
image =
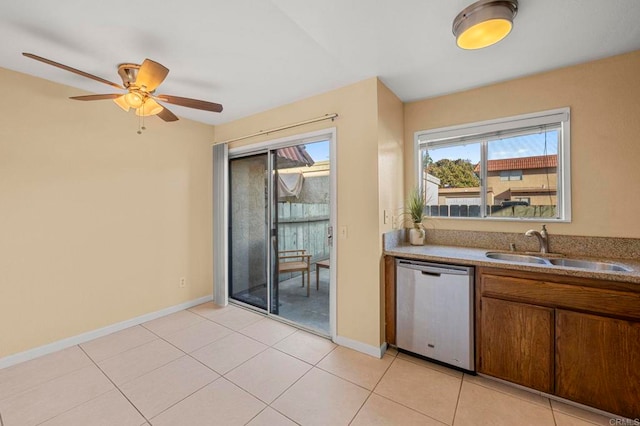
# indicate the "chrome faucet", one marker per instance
pixel 543 238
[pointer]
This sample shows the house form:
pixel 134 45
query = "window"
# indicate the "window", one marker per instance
pixel 516 168
pixel 511 175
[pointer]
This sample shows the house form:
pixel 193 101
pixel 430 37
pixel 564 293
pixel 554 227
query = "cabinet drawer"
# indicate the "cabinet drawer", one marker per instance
pixel 567 296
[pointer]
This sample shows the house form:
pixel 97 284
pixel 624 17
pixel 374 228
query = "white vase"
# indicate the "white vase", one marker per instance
pixel 416 236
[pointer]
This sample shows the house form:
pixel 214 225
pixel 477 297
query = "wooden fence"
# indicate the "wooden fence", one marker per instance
pixel 463 210
pixel 303 226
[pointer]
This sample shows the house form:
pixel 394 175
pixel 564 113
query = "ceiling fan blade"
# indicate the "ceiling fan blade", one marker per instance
pixel 167 115
pixel 151 74
pixel 73 70
pixel 96 97
pixel 191 103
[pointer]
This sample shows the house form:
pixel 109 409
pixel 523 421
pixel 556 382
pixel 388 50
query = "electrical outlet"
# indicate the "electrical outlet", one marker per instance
pixel 183 282
pixel 386 217
pixel 394 222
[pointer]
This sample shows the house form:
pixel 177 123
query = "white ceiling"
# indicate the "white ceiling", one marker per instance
pixel 253 55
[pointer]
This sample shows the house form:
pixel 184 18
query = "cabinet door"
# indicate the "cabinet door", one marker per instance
pixel 516 343
pixel 598 362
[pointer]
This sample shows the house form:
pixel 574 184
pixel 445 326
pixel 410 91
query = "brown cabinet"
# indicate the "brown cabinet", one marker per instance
pixel 517 343
pixel 573 337
pixel 598 361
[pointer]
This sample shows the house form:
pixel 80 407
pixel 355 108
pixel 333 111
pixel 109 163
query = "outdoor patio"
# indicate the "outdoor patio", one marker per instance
pixel 311 312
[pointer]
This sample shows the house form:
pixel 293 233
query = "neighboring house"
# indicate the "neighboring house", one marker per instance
pixel 432 186
pixel 526 179
pixel 530 180
pixel 460 196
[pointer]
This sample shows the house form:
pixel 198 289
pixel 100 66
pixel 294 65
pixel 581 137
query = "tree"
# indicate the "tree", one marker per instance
pixel 452 173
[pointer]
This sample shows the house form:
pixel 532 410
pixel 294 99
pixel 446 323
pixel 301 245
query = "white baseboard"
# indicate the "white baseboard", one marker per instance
pixel 375 351
pixel 94 334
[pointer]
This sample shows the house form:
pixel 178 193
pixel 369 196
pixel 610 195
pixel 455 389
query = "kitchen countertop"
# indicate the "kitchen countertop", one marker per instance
pixel 476 257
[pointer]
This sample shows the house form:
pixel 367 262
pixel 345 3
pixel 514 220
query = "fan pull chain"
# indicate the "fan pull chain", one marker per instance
pixel 141 126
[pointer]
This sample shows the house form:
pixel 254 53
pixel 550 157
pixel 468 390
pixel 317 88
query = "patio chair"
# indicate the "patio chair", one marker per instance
pixel 295 261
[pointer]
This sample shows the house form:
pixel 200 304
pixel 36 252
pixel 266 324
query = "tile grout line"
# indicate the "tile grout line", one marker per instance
pixel 272 317
pixel 553 415
pixel 56 378
pixel 196 360
pixel 399 403
pixel 292 384
pixel 320 360
pixel 370 391
pixel 383 374
pixel 300 359
pixel 455 411
pixel 505 392
pixel 413 360
pixel 282 414
pixel 46 381
pixel 184 354
pixel 296 327
pixel 215 341
pixel 360 408
pixel 112 356
pixel 281 393
pixel 179 401
pixel 408 408
pixel 349 381
pixel 257 414
pixel 117 387
pixel 284 391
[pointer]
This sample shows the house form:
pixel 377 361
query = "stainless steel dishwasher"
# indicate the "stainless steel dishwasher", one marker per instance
pixel 434 311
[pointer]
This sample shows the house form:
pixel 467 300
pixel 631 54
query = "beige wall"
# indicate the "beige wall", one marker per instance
pixel 358 291
pixel 97 223
pixel 604 99
pixel 390 170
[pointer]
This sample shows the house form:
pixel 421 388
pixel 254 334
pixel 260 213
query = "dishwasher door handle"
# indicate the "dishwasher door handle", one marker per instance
pixel 434 269
pixel 433 274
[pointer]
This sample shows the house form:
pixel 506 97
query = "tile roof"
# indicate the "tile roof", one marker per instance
pixel 521 163
pixel 297 156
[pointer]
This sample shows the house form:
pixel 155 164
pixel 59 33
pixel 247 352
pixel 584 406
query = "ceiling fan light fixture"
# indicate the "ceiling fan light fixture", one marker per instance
pixel 134 99
pixel 484 23
pixel 150 107
pixel 122 103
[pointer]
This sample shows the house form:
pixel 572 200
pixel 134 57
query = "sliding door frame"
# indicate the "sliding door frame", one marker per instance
pixel 307 138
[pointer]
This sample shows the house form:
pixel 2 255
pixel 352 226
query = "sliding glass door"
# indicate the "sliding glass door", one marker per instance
pixel 280 233
pixel 249 230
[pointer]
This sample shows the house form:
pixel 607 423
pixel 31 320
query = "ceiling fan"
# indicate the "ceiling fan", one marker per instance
pixel 140 83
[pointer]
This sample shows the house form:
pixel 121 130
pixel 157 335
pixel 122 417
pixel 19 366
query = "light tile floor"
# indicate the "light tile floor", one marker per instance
pixel 228 366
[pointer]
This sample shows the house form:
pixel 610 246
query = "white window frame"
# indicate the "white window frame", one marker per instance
pixel 526 122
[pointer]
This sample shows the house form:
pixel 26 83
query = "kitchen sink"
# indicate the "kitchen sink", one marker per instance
pixel 559 261
pixel 522 258
pixel 588 264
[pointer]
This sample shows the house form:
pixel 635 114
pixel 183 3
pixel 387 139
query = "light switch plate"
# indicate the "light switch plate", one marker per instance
pixel 343 232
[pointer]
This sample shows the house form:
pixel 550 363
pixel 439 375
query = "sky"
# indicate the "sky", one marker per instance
pixel 514 147
pixel 319 151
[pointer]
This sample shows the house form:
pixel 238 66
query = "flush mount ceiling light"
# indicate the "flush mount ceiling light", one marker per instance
pixel 484 23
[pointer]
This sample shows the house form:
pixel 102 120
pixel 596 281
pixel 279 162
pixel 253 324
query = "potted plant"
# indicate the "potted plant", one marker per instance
pixel 415 211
